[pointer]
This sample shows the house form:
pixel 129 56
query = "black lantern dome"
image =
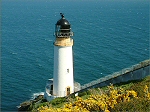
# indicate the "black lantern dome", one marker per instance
pixel 63 27
pixel 62 21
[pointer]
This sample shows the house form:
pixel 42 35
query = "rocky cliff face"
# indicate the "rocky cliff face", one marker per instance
pixel 27 105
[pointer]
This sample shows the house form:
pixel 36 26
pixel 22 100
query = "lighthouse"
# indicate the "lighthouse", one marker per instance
pixel 63 81
pixel 62 84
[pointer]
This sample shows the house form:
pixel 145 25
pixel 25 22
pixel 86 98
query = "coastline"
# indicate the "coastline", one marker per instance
pixel 27 105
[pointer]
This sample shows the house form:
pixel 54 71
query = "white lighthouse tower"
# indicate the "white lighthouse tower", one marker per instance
pixel 62 83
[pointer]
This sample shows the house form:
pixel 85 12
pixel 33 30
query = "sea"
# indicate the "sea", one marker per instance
pixel 109 35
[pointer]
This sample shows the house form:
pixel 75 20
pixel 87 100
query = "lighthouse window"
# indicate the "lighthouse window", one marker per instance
pixel 68 90
pixel 67 70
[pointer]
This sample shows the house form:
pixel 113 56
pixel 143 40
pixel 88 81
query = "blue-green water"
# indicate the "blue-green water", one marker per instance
pixel 108 36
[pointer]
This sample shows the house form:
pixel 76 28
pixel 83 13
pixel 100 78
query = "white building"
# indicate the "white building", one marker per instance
pixel 62 83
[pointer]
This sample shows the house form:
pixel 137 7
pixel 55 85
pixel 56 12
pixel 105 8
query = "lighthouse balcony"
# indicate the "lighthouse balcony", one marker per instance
pixel 63 34
pixel 63 42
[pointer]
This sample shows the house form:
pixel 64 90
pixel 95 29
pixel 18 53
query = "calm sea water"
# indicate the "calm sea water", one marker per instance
pixel 108 35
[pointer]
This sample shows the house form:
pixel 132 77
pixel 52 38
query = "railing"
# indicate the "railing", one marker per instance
pixel 63 34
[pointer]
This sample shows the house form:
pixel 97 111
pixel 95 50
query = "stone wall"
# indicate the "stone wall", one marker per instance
pixel 135 72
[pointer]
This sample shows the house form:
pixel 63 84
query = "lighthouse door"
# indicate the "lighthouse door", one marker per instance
pixel 68 90
pixel 51 90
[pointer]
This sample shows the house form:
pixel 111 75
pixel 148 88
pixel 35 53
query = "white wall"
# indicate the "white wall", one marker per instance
pixel 135 72
pixel 63 70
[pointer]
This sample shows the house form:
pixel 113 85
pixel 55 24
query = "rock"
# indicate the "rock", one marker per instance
pixel 25 106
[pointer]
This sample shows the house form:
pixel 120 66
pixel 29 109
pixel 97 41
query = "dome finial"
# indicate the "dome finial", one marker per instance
pixel 62 15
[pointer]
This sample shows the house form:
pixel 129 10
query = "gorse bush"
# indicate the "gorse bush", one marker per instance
pixel 104 102
pixel 132 96
pixel 140 104
pixel 134 105
pixel 138 86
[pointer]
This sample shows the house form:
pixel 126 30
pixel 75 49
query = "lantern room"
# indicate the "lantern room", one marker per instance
pixel 63 28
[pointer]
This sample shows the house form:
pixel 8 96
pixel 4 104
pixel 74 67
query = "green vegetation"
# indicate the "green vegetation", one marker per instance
pixel 130 96
pixel 142 104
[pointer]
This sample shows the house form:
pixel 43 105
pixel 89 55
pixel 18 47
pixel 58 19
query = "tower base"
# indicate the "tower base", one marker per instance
pixel 48 94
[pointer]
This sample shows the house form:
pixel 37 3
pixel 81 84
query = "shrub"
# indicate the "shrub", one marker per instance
pixel 57 101
pixel 135 105
pixel 95 102
pixel 135 98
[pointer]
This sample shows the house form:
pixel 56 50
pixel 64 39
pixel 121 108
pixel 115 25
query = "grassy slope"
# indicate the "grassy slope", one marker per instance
pixel 141 104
